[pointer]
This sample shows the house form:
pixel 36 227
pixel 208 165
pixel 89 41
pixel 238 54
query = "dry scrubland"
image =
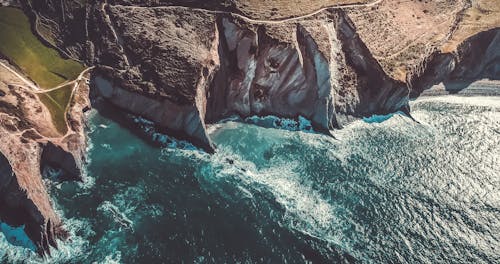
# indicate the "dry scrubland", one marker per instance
pixel 268 9
pixel 481 16
pixel 400 33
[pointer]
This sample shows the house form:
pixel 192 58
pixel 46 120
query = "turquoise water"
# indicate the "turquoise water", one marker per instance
pixel 386 189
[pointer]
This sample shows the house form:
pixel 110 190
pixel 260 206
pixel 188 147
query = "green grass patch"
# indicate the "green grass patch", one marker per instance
pixel 57 101
pixel 42 64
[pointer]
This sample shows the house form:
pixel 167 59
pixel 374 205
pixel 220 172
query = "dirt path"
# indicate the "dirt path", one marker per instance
pixel 258 21
pixel 24 80
pixel 75 81
pixel 36 90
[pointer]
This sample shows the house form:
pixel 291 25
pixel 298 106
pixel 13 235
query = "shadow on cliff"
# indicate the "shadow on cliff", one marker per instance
pixel 476 58
pixel 378 93
pixel 125 119
pixel 120 117
pixel 56 159
pixel 17 209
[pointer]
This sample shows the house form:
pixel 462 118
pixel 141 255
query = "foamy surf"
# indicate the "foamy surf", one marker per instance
pixel 383 191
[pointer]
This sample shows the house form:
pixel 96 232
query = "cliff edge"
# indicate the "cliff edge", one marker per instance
pixel 185 64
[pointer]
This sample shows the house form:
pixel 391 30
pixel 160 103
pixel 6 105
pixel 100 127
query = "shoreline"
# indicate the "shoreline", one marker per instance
pixel 483 87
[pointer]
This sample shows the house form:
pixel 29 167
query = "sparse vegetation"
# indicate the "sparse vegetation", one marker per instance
pixel 42 64
pixel 57 101
pixel 280 9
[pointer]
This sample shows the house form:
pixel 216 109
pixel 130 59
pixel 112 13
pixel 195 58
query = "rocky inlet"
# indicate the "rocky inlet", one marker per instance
pixel 185 65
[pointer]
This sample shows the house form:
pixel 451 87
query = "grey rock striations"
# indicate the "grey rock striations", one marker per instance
pixel 184 64
pixel 181 67
pixel 478 57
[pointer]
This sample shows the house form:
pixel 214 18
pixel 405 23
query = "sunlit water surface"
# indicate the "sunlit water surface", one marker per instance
pixel 385 190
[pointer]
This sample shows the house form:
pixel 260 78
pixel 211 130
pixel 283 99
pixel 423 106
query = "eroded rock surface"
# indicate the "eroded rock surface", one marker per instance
pixel 28 142
pixel 186 64
pixel 183 64
pixel 182 67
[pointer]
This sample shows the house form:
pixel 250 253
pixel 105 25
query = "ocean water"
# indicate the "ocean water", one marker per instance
pixel 386 189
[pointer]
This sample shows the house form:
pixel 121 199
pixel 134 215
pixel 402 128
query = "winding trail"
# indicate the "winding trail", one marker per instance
pixel 259 21
pixel 36 90
pixel 24 80
pixel 75 81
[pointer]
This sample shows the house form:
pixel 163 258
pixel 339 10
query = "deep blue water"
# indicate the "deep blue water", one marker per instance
pixel 387 189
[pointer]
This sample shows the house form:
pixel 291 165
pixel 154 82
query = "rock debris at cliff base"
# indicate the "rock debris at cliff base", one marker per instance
pixel 185 65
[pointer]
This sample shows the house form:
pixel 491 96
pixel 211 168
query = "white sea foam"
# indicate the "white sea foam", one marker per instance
pixel 118 216
pixel 306 210
pixel 270 121
pixel 14 254
pixel 115 258
pixel 164 140
pixel 488 101
pixel 68 251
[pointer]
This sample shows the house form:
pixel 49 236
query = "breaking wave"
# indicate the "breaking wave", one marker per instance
pixel 384 189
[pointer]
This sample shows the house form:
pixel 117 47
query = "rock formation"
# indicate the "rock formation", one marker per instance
pixel 476 58
pixel 183 64
pixel 29 142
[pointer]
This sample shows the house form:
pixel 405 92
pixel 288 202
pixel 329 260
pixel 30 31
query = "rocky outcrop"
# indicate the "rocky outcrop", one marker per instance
pixel 183 121
pixel 160 46
pixel 24 202
pixel 182 68
pixel 318 69
pixel 29 141
pixel 265 75
pixel 56 157
pixel 476 58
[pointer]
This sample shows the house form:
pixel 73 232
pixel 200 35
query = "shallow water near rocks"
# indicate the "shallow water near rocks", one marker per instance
pixel 384 190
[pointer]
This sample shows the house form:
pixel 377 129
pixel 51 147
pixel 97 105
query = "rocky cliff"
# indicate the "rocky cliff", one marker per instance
pixel 186 64
pixel 478 57
pixel 30 144
pixel 183 67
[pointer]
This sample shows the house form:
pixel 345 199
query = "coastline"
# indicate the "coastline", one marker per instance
pixel 482 87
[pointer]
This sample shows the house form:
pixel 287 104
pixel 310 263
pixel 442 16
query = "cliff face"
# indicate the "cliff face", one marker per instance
pixel 181 67
pixel 317 68
pixel 185 66
pixel 30 143
pixel 476 58
pixel 158 64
